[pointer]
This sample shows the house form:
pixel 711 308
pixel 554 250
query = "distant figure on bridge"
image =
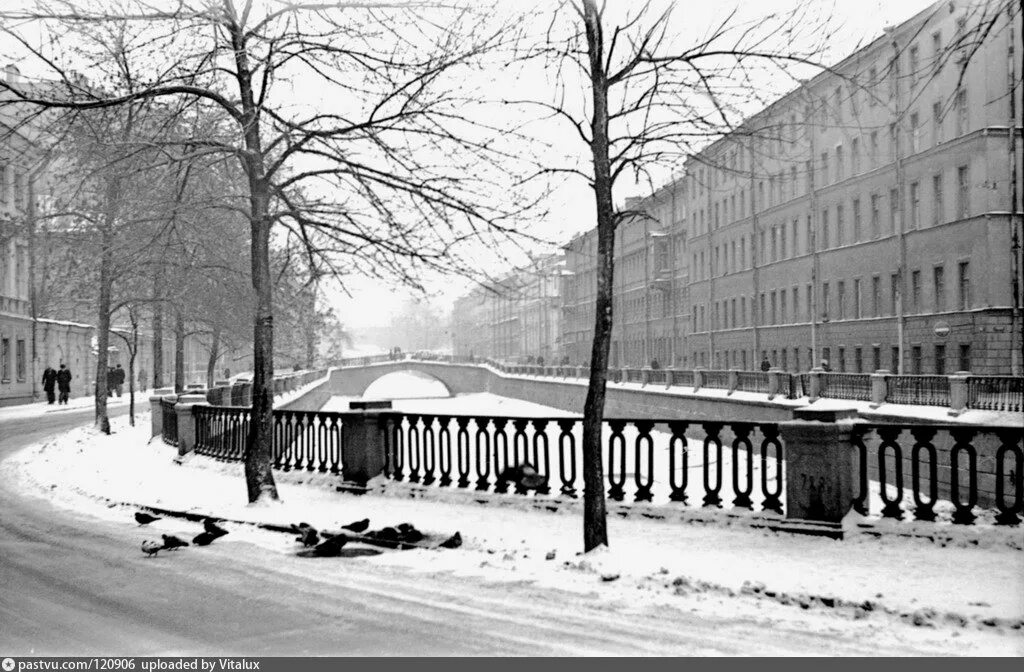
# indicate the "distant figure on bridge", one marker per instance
pixel 49 380
pixel 824 366
pixel 765 363
pixel 540 361
pixel 63 384
pixel 565 360
pixel 655 365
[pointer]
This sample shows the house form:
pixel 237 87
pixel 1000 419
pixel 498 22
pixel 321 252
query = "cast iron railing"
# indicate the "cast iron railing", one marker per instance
pixel 715 379
pixel 846 386
pixel 955 451
pixel 169 421
pixel 996 393
pixel 752 381
pixel 923 390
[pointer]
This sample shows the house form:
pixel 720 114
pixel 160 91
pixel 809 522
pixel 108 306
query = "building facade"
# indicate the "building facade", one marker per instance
pixel 516 318
pixel 866 220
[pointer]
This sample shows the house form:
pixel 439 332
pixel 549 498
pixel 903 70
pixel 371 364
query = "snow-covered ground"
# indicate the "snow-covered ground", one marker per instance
pixel 971 589
pixel 42 409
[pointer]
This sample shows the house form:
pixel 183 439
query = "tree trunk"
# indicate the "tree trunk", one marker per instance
pixel 211 364
pixel 132 351
pixel 158 333
pixel 179 352
pixel 259 479
pixel 101 389
pixel 595 529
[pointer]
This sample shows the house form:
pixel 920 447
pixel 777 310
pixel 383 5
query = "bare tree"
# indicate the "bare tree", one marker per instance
pixel 641 98
pixel 390 180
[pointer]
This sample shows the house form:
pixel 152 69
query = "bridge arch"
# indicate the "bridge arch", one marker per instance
pixel 411 384
pixel 457 379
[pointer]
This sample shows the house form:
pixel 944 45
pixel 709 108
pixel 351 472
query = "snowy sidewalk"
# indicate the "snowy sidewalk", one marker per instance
pixel 978 585
pixel 41 408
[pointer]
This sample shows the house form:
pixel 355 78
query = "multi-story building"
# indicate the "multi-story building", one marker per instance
pixel 865 219
pixel 515 318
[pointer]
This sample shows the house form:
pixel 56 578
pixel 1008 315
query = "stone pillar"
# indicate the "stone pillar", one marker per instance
pixel 958 395
pixel 157 411
pixel 579 371
pixel 734 380
pixel 645 376
pixel 222 383
pixel 186 421
pixel 878 387
pixel 698 379
pixel 820 464
pixel 669 377
pixel 814 375
pixel 774 381
pixel 363 444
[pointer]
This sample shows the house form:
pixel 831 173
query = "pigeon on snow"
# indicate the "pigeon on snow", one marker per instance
pixel 144 518
pixel 151 548
pixel 330 548
pixel 213 528
pixel 204 539
pixel 172 542
pixel 308 535
pixel 358 526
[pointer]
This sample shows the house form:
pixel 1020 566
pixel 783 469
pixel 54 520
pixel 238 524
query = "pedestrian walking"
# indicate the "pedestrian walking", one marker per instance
pixel 49 380
pixel 110 382
pixel 64 384
pixel 142 379
pixel 118 379
pixel 765 364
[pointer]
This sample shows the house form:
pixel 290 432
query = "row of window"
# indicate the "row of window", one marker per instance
pixel 843 359
pixel 12 186
pixel 5 360
pixel 839 301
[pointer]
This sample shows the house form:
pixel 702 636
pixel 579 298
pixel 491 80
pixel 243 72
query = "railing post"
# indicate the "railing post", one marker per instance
pixel 186 422
pixel 820 465
pixel 958 392
pixel 363 446
pixel 814 383
pixel 878 387
pixel 579 371
pixel 774 381
pixel 645 376
pixel 734 380
pixel 157 411
pixel 698 379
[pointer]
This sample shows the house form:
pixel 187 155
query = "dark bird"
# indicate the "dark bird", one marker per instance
pixel 387 537
pixel 358 526
pixel 151 548
pixel 453 541
pixel 172 542
pixel 308 536
pixel 330 548
pixel 204 538
pixel 409 534
pixel 213 528
pixel 144 518
pixel 524 475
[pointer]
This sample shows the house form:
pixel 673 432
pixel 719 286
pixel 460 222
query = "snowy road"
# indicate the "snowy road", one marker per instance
pixel 75 584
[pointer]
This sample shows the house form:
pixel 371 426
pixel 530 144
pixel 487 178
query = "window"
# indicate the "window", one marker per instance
pixel 5 359
pixel 774 312
pixel 824 229
pixel 809 237
pixel 21 359
pixel 855 156
pixel 841 360
pixel 856 299
pixel 858 360
pixel 894 207
pixel 743 252
pixel 809 302
pixel 796 359
pixel 3 182
pixel 783 318
pixel 876 222
pixel 938 207
pixel 794 235
pixel 872 81
pixel 894 287
pixel 965 357
pixel 856 220
pixel 937 123
pixel 840 225
pixel 837 108
pixel 792 181
pixel 915 205
pixel 763 313
pixel 940 359
pixel 841 300
pixel 743 310
pixel 840 164
pixel 874 149
pixel 876 296
pixel 783 364
pixel 936 51
pixel 915 133
pixel 826 355
pixel 940 288
pixel 963 202
pixel 775 244
pixel 915 62
pixel 915 291
pixel 915 360
pixel 965 285
pixel 782 241
pixel 824 167
pixel 825 300
pixel 796 304
pixel 895 366
pixel 19 190
pixel 961 112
